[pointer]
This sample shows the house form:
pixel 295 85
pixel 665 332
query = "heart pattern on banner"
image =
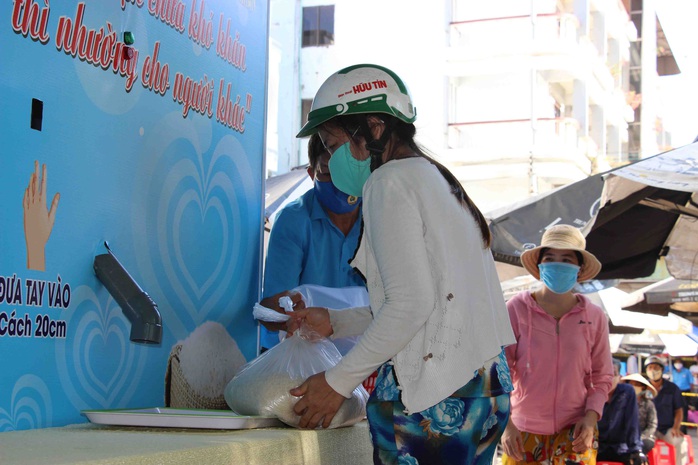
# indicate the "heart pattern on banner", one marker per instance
pixel 193 233
pixel 30 406
pixel 205 207
pixel 188 187
pixel 97 364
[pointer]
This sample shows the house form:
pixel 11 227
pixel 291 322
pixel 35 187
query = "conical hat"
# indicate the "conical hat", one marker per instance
pixel 640 379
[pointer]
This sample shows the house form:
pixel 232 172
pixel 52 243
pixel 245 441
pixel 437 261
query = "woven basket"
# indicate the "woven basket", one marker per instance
pixel 178 392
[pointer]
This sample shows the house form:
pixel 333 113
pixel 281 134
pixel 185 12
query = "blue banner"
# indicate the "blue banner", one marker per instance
pixel 141 124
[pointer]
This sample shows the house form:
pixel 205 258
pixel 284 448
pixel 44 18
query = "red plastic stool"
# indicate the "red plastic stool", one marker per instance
pixel 662 454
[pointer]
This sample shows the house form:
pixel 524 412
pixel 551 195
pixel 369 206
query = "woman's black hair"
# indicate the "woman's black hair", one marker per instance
pixel 580 257
pixel 405 132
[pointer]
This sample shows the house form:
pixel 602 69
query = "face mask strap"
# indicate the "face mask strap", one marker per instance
pixel 374 147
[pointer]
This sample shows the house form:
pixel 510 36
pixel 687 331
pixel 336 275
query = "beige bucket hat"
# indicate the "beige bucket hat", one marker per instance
pixel 562 236
pixel 640 379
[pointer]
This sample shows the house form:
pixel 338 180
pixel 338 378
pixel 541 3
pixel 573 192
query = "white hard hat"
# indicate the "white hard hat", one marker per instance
pixel 360 89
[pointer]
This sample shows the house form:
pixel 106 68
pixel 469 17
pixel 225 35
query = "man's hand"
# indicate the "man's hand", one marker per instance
pixel 273 303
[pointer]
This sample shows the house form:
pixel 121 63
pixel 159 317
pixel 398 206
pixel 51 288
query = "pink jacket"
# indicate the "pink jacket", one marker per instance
pixel 560 369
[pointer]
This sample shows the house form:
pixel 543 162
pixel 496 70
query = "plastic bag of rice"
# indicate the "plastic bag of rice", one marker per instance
pixel 262 386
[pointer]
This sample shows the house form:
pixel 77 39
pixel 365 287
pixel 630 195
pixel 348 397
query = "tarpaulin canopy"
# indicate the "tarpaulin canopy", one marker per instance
pixel 643 343
pixel 631 216
pixel 679 345
pixel 620 328
pixel 672 291
pixel 664 296
pixel 671 334
pixel 646 343
pixel 613 298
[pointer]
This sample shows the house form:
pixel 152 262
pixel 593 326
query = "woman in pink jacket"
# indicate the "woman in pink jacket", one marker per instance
pixel 561 363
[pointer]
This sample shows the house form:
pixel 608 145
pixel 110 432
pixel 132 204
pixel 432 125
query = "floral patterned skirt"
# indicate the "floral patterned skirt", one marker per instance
pixel 554 449
pixel 458 430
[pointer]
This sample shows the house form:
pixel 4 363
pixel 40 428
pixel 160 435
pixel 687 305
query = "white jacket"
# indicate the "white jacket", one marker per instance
pixel 437 306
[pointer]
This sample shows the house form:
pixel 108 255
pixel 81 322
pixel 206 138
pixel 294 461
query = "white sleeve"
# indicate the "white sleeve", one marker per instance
pixel 350 322
pixel 394 229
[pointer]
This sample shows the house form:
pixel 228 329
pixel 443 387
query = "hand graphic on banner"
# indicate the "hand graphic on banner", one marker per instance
pixel 38 220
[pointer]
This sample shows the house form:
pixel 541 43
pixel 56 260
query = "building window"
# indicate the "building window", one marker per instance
pixel 305 109
pixel 318 25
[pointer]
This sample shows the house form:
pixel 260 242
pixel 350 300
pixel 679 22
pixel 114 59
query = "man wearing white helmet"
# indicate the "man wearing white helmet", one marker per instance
pixel 669 404
pixel 437 323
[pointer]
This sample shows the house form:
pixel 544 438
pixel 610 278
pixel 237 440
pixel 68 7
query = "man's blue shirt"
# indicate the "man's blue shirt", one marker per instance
pixel 305 247
pixel 682 378
pixel 667 401
pixel 619 427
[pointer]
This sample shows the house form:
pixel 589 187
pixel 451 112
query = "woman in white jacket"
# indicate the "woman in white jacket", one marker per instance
pixel 437 322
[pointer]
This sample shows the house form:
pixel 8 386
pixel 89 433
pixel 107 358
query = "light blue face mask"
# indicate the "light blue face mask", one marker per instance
pixel 348 173
pixel 558 277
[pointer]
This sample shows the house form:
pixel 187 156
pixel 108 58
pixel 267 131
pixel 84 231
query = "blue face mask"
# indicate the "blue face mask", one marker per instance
pixel 348 173
pixel 558 277
pixel 333 199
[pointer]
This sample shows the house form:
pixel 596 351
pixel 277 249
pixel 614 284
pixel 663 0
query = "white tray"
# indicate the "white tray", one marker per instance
pixel 164 417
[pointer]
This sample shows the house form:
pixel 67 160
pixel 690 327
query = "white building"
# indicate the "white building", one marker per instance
pixel 515 97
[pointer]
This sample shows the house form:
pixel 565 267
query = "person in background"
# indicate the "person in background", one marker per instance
pixel 631 365
pixel 694 372
pixel 669 404
pixel 692 401
pixel 682 377
pixel 619 428
pixel 311 242
pixel 647 413
pixel 437 321
pixel 561 363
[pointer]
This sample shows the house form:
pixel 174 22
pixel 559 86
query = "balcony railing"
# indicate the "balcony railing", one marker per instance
pixel 487 36
pixel 515 133
pixel 551 140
